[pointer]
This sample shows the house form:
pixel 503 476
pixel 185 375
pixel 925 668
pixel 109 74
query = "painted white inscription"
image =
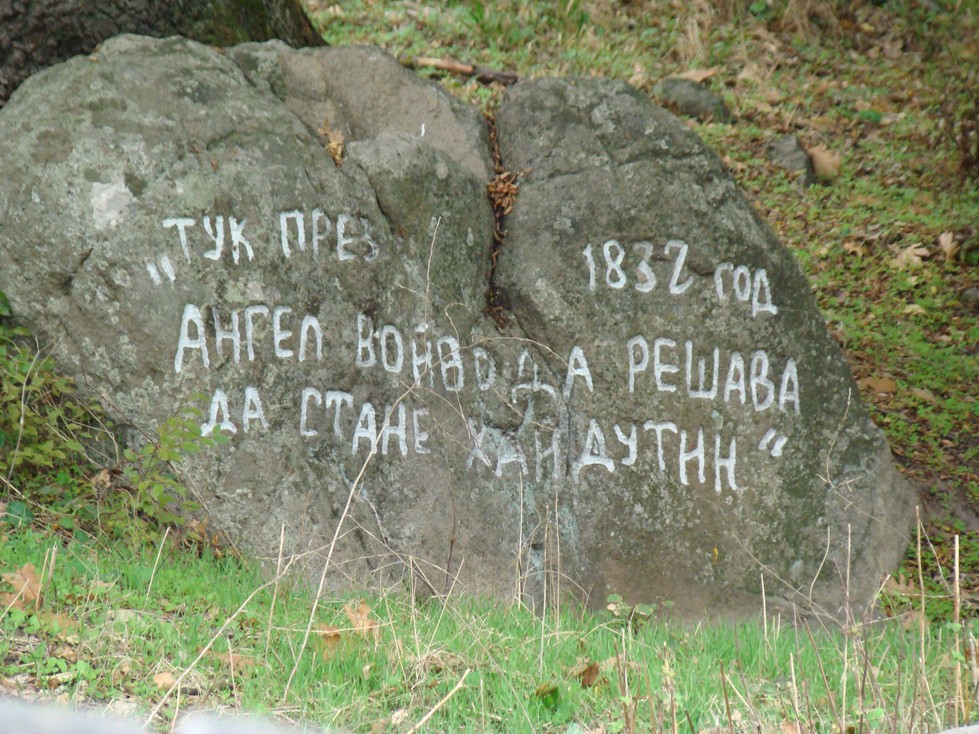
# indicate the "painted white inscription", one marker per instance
pixel 585 447
pixel 262 326
pixel 699 378
pixel 346 237
pixel 619 267
pixel 613 263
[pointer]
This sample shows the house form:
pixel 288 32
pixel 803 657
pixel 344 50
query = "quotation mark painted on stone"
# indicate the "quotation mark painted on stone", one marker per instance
pixel 766 443
pixel 165 266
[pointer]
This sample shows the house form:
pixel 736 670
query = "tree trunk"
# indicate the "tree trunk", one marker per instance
pixel 35 34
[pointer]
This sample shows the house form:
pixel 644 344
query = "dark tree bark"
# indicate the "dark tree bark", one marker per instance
pixel 35 34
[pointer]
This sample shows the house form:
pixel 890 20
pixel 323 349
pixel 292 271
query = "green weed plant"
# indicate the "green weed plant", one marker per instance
pixel 51 439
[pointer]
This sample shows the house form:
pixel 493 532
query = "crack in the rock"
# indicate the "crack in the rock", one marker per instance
pixel 68 281
pixel 502 192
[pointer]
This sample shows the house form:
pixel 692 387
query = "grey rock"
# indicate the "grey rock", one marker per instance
pixel 628 233
pixel 970 297
pixel 692 99
pixel 22 718
pixel 358 91
pixel 786 152
pixel 172 135
pixel 666 417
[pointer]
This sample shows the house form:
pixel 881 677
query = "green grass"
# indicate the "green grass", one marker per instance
pixel 113 625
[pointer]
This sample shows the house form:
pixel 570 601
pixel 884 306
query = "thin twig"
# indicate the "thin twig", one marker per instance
pixel 445 699
pixel 275 589
pixel 156 563
pixel 957 601
pixel 482 74
pixel 921 611
pixel 47 571
pixel 727 702
pixel 795 690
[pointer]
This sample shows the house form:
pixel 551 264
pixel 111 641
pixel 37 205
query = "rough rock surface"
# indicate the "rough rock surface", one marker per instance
pixel 666 417
pixel 692 99
pixel 704 344
pixel 786 152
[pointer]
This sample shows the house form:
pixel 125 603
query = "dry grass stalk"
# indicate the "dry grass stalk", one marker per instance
pixel 275 590
pixel 699 18
pixel 957 626
pixel 440 704
pixel 156 563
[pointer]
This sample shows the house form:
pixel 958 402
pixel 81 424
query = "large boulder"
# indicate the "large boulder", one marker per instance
pixel 664 417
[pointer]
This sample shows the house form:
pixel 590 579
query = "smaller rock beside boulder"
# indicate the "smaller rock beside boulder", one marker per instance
pixel 692 99
pixel 787 152
pixel 970 298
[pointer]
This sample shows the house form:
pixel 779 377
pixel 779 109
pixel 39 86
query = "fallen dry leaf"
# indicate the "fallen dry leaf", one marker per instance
pixel 238 663
pixel 360 618
pixel 60 622
pixel 59 679
pixel 914 309
pixel 923 393
pixel 899 585
pixel 164 680
pixel 328 640
pixel 400 716
pixel 335 140
pixel 752 73
pixel 911 256
pixel 437 661
pixel 825 162
pixel 882 385
pixel 549 693
pixel 121 673
pixel 66 653
pixel 27 588
pixel 699 75
pixel 615 663
pixel 587 674
pixel 102 480
pixel 335 146
pixel 854 248
pixel 949 246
